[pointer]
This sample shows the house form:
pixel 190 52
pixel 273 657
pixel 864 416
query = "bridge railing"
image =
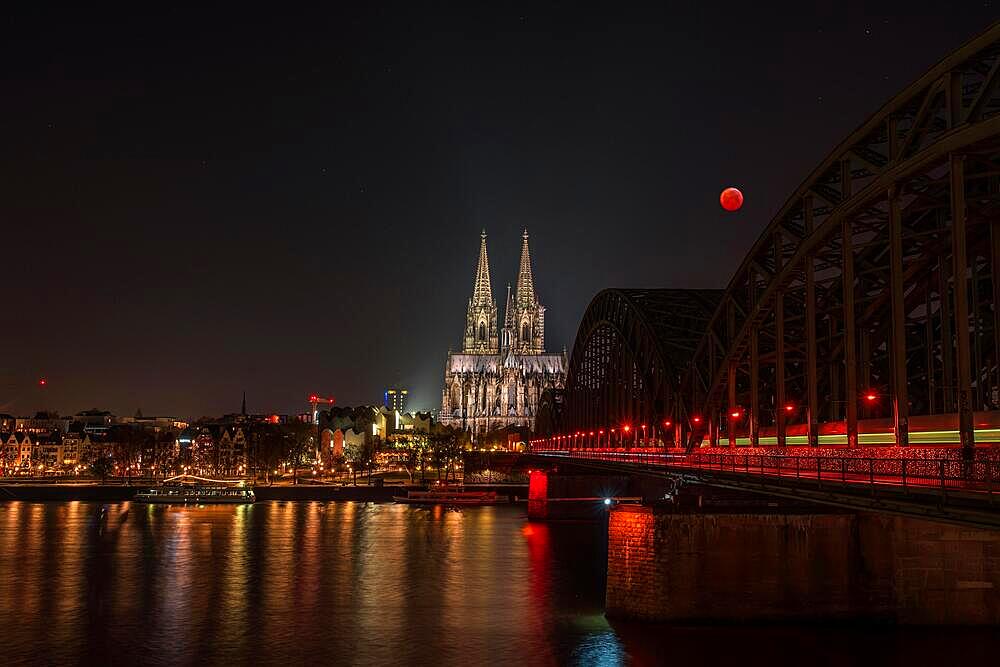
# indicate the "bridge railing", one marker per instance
pixel 937 474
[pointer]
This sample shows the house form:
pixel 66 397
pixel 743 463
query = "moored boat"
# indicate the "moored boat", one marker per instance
pixel 187 490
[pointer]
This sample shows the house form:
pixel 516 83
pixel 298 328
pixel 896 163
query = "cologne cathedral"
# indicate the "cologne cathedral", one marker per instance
pixel 498 377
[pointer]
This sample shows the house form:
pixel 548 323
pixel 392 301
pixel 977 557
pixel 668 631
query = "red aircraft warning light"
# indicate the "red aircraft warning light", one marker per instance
pixel 42 382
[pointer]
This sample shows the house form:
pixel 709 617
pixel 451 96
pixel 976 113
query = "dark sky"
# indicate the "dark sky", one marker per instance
pixel 194 204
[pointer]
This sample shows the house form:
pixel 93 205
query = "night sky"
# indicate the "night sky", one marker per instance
pixel 196 204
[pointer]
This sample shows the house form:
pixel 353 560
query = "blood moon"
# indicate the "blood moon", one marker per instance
pixel 731 199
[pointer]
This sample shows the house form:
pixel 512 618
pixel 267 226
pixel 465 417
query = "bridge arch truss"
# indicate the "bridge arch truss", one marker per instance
pixel 629 354
pixel 872 292
pixel 870 296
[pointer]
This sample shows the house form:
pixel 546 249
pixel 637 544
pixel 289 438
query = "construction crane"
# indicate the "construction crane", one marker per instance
pixel 315 400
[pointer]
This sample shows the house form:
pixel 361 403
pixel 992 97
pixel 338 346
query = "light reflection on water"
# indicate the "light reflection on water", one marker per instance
pixel 355 583
pixel 283 581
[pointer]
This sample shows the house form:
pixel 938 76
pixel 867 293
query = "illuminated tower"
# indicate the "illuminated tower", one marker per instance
pixel 481 319
pixel 395 399
pixel 528 320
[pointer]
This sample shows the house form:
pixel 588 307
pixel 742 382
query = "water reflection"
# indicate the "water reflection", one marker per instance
pixel 354 583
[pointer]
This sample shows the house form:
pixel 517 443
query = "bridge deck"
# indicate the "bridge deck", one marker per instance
pixel 951 490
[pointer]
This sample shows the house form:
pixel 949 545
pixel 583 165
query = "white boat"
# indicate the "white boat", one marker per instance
pixel 188 489
pixel 197 495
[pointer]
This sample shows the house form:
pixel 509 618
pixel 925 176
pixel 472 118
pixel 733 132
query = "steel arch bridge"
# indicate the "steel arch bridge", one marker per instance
pixel 869 298
pixel 630 352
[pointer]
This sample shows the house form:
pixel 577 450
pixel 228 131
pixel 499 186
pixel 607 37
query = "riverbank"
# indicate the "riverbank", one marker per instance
pixel 117 493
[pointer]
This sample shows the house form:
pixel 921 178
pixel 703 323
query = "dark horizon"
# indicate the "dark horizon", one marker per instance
pixel 199 205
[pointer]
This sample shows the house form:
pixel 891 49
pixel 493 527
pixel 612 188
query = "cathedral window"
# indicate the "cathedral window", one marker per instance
pixel 525 332
pixel 482 331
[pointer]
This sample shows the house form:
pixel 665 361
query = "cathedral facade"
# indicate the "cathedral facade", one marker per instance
pixel 498 377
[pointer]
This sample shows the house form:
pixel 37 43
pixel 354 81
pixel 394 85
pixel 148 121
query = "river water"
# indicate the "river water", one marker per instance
pixel 363 583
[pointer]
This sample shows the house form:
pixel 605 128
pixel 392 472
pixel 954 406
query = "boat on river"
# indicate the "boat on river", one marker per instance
pixel 190 490
pixel 448 496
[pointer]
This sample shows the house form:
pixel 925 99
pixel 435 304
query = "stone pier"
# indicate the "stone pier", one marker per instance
pixel 670 565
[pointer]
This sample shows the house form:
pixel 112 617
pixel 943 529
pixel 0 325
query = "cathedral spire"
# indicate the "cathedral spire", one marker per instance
pixel 508 318
pixel 481 335
pixel 525 283
pixel 482 292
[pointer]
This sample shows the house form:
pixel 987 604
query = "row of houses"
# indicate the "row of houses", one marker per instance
pixel 212 448
pixel 47 450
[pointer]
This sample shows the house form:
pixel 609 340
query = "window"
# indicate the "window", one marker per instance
pixel 482 331
pixel 525 332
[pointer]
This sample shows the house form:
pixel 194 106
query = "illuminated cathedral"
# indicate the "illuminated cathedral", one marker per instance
pixel 498 377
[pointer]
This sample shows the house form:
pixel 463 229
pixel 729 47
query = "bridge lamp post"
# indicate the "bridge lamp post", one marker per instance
pixel 600 433
pixel 625 430
pixel 734 416
pixel 695 424
pixel 644 442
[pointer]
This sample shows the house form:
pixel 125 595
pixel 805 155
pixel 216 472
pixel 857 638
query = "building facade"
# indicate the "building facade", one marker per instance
pixel 498 377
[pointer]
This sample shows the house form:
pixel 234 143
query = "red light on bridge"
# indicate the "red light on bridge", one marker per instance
pixel 626 428
pixel 735 414
pixel 789 407
pixel 591 433
pixel 667 424
pixel 696 419
pixel 871 396
pixel 601 432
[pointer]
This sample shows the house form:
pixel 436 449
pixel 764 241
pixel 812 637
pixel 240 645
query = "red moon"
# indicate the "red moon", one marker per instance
pixel 731 199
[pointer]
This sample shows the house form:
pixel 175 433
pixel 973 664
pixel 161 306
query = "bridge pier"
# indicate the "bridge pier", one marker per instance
pixel 760 565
